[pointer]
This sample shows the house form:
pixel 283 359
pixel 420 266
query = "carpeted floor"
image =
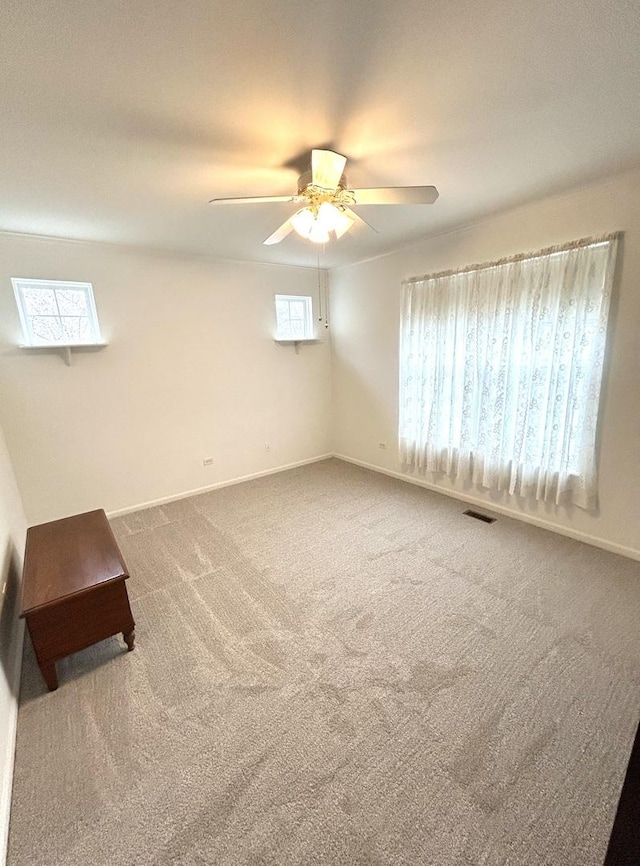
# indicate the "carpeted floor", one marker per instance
pixel 333 667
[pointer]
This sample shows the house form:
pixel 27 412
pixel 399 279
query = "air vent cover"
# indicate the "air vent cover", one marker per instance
pixel 484 517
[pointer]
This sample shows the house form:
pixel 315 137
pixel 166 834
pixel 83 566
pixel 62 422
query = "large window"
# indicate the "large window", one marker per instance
pixel 55 313
pixel 500 371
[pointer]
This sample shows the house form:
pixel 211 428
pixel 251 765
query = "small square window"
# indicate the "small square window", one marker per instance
pixel 294 317
pixel 55 313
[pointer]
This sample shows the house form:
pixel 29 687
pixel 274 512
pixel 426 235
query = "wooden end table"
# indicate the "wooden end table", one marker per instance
pixel 73 589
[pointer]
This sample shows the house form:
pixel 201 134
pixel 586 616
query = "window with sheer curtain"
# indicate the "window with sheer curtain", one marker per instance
pixel 500 371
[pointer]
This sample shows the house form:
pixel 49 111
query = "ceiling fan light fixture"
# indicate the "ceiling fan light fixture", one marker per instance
pixel 306 224
pixel 318 225
pixel 327 213
pixel 333 219
pixel 318 235
pixel 302 222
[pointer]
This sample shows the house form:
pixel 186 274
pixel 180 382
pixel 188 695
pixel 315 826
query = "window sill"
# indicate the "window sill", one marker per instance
pixel 63 348
pixel 296 343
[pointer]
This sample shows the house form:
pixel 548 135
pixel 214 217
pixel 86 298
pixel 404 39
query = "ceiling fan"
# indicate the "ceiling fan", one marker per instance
pixel 326 201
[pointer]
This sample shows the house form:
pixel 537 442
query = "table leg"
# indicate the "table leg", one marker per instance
pixel 129 638
pixel 48 670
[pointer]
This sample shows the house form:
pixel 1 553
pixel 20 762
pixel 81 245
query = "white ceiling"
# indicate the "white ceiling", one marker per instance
pixel 120 119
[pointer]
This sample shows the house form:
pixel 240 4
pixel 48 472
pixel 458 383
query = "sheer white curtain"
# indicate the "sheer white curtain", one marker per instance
pixel 500 371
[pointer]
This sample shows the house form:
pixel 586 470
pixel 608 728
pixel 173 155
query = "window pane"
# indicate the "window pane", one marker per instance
pixel 46 329
pixel 72 302
pixel 285 331
pixel 39 301
pixel 76 328
pixel 297 328
pixel 85 333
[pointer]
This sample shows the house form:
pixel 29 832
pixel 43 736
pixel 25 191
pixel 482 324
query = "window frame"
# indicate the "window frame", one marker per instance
pixel 308 334
pixel 30 339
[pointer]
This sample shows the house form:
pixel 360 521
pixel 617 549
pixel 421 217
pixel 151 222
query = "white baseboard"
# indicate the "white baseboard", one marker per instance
pixel 10 745
pixel 586 538
pixel 559 529
pixel 228 483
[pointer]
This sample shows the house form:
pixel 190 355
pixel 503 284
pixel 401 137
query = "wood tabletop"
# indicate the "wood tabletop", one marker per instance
pixel 69 556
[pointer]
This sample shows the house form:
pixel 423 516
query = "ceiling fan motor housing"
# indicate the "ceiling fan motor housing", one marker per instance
pixel 339 196
pixel 306 180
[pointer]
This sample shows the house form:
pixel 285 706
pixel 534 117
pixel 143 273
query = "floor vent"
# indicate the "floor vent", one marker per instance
pixel 484 517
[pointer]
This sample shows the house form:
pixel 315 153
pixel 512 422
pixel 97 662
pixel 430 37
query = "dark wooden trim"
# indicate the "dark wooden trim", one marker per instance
pixel 624 844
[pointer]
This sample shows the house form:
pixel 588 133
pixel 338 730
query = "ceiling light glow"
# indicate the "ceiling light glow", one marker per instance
pixel 318 225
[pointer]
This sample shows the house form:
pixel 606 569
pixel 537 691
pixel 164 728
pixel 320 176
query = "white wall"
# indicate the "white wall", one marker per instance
pixel 12 536
pixel 365 303
pixel 191 371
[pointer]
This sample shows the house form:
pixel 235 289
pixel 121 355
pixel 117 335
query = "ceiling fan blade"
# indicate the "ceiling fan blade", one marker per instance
pixel 359 220
pixel 326 168
pixel 396 195
pixel 279 234
pixel 268 199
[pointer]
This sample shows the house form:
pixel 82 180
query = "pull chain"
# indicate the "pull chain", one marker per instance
pixel 323 300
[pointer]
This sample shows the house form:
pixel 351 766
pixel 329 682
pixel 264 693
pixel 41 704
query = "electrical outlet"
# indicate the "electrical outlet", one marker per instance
pixel 208 461
pixel 382 446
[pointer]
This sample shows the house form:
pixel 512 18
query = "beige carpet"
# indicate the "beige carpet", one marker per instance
pixel 333 667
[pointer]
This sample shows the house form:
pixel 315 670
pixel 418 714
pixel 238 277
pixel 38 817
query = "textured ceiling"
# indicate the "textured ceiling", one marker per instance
pixel 121 120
